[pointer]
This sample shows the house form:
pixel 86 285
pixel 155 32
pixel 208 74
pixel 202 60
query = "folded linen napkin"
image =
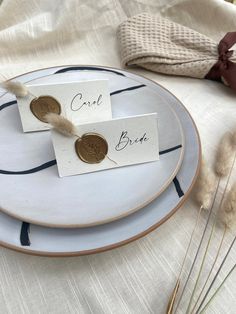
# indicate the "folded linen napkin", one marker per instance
pixel 161 45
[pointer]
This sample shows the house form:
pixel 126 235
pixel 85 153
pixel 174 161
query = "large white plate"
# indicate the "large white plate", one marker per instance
pixel 67 242
pixel 30 188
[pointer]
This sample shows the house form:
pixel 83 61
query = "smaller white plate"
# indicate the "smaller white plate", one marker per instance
pixel 30 188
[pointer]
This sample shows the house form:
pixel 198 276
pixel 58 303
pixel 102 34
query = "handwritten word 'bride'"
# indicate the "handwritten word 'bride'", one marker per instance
pixel 125 140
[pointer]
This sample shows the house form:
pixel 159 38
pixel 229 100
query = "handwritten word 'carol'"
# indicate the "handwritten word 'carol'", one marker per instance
pixel 125 140
pixel 78 102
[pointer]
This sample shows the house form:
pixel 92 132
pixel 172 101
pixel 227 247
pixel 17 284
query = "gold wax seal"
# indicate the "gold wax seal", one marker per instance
pixel 91 148
pixel 42 105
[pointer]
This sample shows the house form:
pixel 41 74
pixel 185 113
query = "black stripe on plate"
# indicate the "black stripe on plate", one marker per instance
pixel 79 68
pixel 127 89
pixel 33 170
pixel 8 104
pixel 24 234
pixel 162 152
pixel 178 187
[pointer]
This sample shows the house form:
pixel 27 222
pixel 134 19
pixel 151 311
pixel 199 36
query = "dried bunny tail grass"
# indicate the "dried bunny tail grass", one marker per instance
pixel 61 124
pixel 172 299
pixel 16 88
pixel 227 214
pixel 224 155
pixel 205 187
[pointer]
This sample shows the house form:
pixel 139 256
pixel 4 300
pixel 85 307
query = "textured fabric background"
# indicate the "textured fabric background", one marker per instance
pixel 139 277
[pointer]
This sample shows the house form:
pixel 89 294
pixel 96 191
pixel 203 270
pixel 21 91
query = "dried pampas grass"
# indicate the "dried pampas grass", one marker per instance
pixel 16 88
pixel 224 155
pixel 61 124
pixel 205 186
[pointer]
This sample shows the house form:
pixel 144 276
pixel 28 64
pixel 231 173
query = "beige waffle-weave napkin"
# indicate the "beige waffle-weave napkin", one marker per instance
pixel 161 45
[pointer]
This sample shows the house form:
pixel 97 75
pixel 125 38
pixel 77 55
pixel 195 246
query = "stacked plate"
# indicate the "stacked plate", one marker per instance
pixel 46 215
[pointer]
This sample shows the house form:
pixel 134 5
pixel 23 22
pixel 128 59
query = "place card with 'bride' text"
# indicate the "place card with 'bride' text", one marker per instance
pixel 129 141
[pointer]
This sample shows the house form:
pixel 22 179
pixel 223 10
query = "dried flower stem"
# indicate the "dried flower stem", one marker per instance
pixel 216 275
pixel 174 293
pixel 228 217
pixel 201 267
pixel 111 160
pixel 172 298
pixel 199 246
pixel 212 267
pixel 190 241
pixel 212 231
pixel 211 234
pixel 218 289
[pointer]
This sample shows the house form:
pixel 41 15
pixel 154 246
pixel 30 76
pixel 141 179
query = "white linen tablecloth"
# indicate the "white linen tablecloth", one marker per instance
pixel 139 277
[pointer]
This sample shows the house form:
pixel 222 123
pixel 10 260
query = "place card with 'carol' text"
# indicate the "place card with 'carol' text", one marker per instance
pixel 107 144
pixel 80 102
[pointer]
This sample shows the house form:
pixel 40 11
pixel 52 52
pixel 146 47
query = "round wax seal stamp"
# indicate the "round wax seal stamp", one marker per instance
pixel 91 148
pixel 42 105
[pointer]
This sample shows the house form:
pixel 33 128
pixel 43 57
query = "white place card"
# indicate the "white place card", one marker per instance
pixel 81 102
pixel 131 140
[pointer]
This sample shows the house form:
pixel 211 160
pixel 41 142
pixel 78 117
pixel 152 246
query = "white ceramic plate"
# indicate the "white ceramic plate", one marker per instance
pixel 67 242
pixel 30 188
